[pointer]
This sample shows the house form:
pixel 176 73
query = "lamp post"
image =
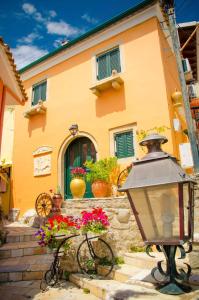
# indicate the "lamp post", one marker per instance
pixel 161 196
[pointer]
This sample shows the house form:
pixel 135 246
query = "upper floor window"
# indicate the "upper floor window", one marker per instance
pixel 124 144
pixel 107 62
pixel 39 92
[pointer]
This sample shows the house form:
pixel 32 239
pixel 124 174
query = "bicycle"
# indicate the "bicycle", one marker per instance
pixel 92 253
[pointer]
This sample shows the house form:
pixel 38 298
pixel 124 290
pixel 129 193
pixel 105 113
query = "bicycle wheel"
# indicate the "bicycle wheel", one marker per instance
pixel 51 277
pixel 95 257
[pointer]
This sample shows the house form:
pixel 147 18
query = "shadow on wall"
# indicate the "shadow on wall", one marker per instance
pixel 110 101
pixel 35 122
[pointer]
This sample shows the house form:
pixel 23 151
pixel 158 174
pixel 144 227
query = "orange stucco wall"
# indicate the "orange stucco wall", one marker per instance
pixel 143 100
pixel 172 83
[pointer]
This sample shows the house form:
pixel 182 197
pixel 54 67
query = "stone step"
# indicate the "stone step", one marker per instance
pixel 130 274
pixel 142 260
pixel 21 249
pixel 140 276
pixel 24 290
pixel 112 289
pixel 20 234
pixel 25 267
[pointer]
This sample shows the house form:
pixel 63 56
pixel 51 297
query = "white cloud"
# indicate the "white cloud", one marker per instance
pixel 38 17
pixel 62 28
pixel 52 13
pixel 89 19
pixel 53 27
pixel 29 38
pixel 25 54
pixel 29 8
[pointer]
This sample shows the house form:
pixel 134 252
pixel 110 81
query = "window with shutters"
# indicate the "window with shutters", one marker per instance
pixel 107 62
pixel 39 92
pixel 124 145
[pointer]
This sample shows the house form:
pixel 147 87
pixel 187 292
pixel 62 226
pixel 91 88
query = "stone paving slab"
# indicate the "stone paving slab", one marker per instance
pixel 20 233
pixel 9 246
pixel 30 290
pixel 21 249
pixel 112 290
pixel 25 263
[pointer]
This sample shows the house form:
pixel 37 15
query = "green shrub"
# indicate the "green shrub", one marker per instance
pixel 137 249
pixel 86 291
pixel 101 169
pixel 119 260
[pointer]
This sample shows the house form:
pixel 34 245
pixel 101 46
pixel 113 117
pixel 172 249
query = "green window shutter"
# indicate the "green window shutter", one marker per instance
pixel 108 62
pixel 39 92
pixel 124 144
pixel 36 95
pixel 184 65
pixel 129 144
pixel 115 60
pixel 102 67
pixel 43 91
pixel 120 146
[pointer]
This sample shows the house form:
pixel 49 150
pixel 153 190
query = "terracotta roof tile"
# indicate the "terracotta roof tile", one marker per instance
pixel 13 65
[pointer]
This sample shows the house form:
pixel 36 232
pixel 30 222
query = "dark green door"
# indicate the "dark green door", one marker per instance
pixel 80 150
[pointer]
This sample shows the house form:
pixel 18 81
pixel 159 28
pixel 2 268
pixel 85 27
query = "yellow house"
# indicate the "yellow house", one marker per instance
pixel 12 94
pixel 112 81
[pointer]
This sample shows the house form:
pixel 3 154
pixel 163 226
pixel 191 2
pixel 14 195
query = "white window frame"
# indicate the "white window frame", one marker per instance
pixel 118 130
pixel 37 83
pixel 95 55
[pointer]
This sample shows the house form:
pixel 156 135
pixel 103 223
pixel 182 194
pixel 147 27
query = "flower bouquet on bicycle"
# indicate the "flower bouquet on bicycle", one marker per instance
pixel 95 222
pixel 56 229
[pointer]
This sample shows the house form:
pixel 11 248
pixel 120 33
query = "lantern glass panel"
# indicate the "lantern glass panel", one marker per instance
pixel 186 207
pixel 158 211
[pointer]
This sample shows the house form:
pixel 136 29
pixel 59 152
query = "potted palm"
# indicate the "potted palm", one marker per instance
pixel 99 175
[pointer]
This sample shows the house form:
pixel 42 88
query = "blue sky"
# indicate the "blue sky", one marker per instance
pixel 32 28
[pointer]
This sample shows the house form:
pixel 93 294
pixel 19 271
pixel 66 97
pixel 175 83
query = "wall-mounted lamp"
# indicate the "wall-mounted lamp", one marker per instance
pixel 73 129
pixel 177 98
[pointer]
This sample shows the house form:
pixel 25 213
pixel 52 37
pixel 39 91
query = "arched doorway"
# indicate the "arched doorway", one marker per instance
pixel 78 151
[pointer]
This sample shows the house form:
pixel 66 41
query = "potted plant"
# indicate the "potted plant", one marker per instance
pixel 95 222
pixel 77 184
pixel 56 228
pixel 99 175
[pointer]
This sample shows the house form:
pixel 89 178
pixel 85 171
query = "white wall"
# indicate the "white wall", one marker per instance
pixel 8 134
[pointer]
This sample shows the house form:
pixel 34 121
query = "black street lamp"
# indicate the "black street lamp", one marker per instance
pixel 161 196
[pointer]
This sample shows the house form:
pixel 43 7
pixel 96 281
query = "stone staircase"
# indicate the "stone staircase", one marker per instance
pixel 131 280
pixel 21 258
pixel 23 263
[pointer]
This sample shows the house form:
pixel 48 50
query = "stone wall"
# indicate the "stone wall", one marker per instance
pixel 123 231
pixel 194 255
pixel 196 211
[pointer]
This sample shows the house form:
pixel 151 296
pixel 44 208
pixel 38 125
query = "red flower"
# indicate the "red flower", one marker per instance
pixel 78 172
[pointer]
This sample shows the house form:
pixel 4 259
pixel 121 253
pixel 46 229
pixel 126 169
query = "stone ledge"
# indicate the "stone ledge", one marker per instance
pixel 68 202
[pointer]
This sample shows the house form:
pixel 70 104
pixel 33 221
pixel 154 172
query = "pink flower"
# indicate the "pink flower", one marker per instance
pixel 78 172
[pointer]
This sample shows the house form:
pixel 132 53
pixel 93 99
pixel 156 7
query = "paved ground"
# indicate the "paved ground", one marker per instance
pixel 30 290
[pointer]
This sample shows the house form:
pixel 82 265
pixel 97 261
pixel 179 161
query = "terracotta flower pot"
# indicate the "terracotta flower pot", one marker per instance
pixel 100 189
pixel 57 202
pixel 78 187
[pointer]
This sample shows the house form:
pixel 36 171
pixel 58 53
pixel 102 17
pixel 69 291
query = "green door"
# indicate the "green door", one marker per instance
pixel 80 150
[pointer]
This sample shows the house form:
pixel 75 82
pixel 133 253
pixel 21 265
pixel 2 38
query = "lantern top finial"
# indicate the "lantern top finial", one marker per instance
pixel 153 137
pixel 153 143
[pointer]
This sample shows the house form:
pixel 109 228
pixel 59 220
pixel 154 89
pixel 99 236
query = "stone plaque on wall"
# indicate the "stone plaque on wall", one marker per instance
pixel 42 165
pixel 42 150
